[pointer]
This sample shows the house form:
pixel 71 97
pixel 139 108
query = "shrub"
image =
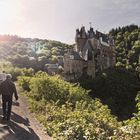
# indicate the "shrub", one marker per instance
pixel 27 72
pixel 68 113
pixel 24 82
pixel 132 126
pixel 15 72
pixel 88 121
pixel 54 88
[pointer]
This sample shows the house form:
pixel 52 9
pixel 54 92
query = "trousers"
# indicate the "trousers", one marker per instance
pixel 7 106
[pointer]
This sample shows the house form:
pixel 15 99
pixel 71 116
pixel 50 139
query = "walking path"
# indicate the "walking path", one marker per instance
pixel 23 125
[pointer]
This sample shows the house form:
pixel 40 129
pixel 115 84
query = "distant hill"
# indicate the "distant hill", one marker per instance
pixel 28 52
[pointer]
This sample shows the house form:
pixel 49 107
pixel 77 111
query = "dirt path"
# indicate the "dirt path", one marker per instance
pixel 23 125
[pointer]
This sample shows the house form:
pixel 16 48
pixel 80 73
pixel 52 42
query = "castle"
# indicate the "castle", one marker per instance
pixel 93 52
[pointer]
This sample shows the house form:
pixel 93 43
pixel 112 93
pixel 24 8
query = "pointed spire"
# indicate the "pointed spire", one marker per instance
pixel 90 24
pixel 91 31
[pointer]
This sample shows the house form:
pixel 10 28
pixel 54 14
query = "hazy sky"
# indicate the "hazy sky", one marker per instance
pixel 58 19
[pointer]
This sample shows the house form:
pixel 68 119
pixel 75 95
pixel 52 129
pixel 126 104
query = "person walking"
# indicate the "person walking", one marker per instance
pixel 7 89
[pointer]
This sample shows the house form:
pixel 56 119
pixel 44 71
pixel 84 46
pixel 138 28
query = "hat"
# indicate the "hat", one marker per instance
pixel 8 76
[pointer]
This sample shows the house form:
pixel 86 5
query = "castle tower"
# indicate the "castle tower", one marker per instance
pixel 91 33
pixel 80 39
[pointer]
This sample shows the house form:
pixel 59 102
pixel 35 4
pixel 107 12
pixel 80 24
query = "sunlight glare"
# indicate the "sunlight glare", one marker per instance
pixel 9 12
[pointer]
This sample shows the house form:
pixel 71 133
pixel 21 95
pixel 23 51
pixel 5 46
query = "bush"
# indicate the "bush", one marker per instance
pixel 117 88
pixel 24 82
pixel 132 126
pixel 27 72
pixel 54 88
pixel 88 121
pixel 15 72
pixel 68 113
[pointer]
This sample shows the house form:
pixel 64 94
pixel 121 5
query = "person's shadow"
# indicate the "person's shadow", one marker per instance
pixel 22 120
pixel 15 131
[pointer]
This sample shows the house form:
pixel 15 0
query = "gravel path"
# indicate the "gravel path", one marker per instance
pixel 23 125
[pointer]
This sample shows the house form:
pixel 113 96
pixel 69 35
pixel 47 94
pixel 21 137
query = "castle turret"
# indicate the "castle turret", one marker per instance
pixel 83 32
pixel 91 33
pixel 77 35
pixel 81 38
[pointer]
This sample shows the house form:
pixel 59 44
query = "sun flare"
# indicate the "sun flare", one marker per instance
pixel 9 12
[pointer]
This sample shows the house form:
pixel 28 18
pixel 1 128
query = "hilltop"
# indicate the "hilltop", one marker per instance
pixel 31 53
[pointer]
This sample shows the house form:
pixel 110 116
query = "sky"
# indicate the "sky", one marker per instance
pixel 58 19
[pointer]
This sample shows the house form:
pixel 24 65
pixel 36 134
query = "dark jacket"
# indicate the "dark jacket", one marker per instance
pixel 8 88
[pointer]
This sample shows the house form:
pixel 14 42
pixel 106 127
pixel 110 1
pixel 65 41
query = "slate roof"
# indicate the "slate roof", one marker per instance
pixel 76 56
pixel 87 51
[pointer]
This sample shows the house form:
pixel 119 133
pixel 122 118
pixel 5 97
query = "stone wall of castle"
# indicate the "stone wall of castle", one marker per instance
pixel 94 52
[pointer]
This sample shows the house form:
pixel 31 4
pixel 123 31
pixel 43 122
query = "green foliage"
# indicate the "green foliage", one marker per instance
pixel 86 122
pixel 133 125
pixel 127 47
pixel 54 89
pixel 15 71
pixel 8 68
pixel 138 106
pixel 31 53
pixel 67 112
pixel 27 72
pixel 127 42
pixel 117 88
pixel 24 82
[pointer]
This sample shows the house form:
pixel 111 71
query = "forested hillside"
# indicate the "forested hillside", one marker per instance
pixel 31 53
pixel 127 43
pixel 118 87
